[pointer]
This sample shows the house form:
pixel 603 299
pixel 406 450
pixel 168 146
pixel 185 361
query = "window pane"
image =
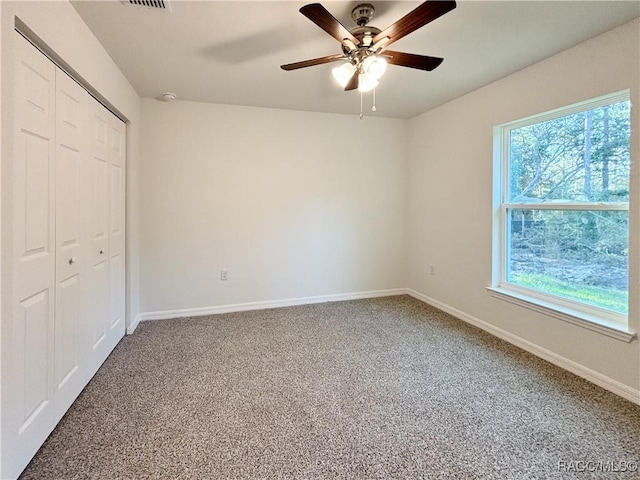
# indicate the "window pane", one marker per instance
pixel 582 157
pixel 579 255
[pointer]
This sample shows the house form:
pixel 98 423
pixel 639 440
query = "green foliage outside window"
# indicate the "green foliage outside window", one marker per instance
pixel 582 157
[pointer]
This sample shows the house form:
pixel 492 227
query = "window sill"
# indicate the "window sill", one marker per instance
pixel 577 318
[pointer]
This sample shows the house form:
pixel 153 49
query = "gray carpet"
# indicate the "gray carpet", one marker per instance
pixel 381 388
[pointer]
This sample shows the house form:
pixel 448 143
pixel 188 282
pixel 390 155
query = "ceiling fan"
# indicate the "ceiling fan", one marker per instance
pixel 364 48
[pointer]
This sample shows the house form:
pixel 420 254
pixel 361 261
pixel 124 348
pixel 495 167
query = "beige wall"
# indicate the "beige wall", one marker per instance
pixel 293 204
pixel 450 195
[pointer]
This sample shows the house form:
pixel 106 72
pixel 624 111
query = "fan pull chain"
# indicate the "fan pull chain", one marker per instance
pixel 373 108
pixel 361 113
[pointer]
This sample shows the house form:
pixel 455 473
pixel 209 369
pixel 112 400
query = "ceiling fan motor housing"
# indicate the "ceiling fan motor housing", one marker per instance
pixel 363 13
pixel 365 35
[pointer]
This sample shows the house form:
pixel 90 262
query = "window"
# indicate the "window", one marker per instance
pixel 562 210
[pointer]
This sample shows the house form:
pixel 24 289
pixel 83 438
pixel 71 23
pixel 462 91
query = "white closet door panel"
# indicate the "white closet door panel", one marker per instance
pixel 69 376
pixel 116 210
pixel 34 160
pixel 34 90
pixel 34 326
pixel 71 113
pixel 117 165
pixel 28 414
pixel 117 296
pixel 100 299
pixel 99 204
pixel 117 156
pixel 71 258
pixel 117 143
pixel 68 203
pixel 100 201
pixel 99 180
pixel 33 211
pixel 99 317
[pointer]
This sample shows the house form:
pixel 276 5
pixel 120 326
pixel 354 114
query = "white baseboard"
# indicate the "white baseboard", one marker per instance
pixel 603 381
pixel 243 307
pixel 132 328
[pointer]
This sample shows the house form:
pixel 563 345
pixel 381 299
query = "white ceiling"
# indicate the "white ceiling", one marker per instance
pixel 230 51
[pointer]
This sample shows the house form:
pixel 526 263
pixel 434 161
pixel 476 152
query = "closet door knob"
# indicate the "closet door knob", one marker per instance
pixel 72 260
pixel 101 251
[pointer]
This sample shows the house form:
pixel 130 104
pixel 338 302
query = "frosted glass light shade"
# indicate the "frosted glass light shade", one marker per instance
pixel 366 83
pixel 343 73
pixel 374 66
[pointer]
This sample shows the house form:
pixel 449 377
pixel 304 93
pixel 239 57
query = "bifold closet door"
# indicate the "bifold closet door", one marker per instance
pixel 98 225
pixel 28 407
pixel 117 166
pixel 107 232
pixel 71 260
pixel 65 273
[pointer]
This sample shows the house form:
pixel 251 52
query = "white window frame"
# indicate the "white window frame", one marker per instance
pixel 605 321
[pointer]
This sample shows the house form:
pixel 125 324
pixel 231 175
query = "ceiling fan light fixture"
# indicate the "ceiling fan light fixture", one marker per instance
pixel 374 66
pixel 343 73
pixel 362 47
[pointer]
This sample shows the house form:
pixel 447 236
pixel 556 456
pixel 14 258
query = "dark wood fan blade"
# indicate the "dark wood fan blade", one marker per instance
pixel 322 18
pixel 312 62
pixel 421 62
pixel 353 82
pixel 425 13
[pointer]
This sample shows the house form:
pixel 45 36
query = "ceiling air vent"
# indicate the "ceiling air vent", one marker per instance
pixel 155 4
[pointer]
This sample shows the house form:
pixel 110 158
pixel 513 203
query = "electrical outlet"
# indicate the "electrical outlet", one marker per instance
pixel 224 275
pixel 432 270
